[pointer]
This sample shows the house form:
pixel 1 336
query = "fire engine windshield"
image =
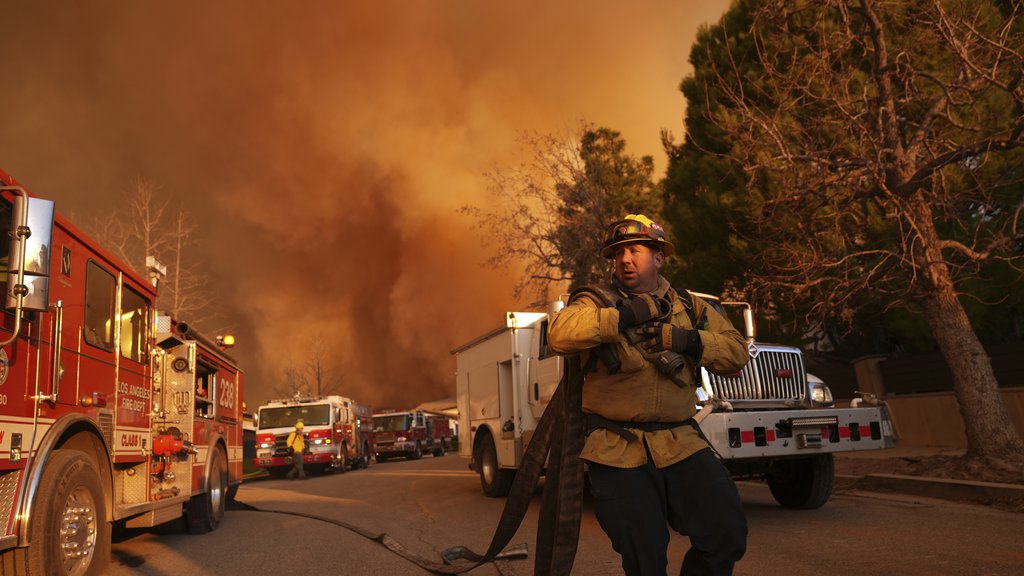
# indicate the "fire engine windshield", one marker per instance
pixel 393 423
pixel 287 416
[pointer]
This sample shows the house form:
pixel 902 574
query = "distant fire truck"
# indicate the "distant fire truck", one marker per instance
pixel 338 433
pixel 109 412
pixel 410 434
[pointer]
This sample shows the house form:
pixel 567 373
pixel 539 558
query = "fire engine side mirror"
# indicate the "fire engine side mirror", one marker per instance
pixel 29 256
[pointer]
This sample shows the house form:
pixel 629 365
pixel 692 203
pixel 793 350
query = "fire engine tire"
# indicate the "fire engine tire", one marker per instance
pixel 495 481
pixel 205 511
pixel 70 534
pixel 417 453
pixel 803 483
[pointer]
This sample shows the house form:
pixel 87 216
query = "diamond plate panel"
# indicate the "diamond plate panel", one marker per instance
pixel 8 492
pixel 134 486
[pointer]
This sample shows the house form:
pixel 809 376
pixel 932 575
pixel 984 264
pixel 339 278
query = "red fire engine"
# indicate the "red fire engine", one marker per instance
pixel 109 412
pixel 410 434
pixel 337 430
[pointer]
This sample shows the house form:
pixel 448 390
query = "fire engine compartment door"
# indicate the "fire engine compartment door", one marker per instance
pixel 177 403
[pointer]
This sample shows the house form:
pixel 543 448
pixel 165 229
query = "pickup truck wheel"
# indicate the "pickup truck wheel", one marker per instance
pixel 802 483
pixel 495 481
pixel 205 511
pixel 381 459
pixel 70 535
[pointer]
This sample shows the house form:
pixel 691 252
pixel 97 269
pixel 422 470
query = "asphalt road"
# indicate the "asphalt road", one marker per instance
pixel 432 504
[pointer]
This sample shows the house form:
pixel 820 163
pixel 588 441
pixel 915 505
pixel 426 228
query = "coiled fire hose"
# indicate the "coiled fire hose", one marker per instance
pixel 557 440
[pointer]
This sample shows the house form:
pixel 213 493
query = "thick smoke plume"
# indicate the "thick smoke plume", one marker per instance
pixel 325 147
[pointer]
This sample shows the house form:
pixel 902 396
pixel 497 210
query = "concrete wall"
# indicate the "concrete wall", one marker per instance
pixel 929 419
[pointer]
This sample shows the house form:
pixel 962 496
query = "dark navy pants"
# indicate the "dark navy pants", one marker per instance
pixel 696 497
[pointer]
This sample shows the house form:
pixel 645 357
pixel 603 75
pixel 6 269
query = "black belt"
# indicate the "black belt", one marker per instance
pixel 596 421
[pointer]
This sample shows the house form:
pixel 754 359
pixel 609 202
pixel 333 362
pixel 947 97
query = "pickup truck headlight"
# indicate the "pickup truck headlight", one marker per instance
pixel 821 396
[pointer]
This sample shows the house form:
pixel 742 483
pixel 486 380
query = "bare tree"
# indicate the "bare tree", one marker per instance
pixel 133 231
pixel 882 140
pixel 294 384
pixel 553 207
pixel 185 292
pixel 145 226
pixel 313 375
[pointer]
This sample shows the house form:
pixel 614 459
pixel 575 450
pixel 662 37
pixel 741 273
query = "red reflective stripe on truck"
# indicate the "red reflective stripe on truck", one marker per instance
pixel 747 436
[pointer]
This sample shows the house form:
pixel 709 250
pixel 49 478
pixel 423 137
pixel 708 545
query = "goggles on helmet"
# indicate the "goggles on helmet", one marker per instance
pixel 635 228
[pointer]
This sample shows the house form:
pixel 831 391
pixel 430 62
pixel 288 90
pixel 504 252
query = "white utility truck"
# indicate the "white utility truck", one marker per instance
pixel 770 420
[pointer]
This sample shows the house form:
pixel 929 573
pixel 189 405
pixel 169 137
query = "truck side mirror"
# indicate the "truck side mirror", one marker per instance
pixel 29 256
pixel 749 330
pixel 748 323
pixel 555 306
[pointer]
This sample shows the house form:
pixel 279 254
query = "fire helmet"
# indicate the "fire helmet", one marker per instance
pixel 299 425
pixel 635 228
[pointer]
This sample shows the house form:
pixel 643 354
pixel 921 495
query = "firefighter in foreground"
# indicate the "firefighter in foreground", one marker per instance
pixel 648 463
pixel 297 443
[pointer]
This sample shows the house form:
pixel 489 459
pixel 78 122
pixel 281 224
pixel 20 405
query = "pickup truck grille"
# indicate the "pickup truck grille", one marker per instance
pixel 771 375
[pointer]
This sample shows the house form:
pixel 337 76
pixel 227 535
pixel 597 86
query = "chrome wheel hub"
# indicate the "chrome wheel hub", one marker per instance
pixel 78 532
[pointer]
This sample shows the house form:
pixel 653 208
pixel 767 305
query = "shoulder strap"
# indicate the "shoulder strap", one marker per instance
pixel 608 297
pixel 689 306
pixel 602 294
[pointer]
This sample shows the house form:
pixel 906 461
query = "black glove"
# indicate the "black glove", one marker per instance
pixel 660 336
pixel 640 309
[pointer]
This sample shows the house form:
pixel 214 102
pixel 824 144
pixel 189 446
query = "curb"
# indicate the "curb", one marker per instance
pixel 1005 496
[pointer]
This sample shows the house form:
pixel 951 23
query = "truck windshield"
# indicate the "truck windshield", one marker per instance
pixel 287 416
pixel 392 423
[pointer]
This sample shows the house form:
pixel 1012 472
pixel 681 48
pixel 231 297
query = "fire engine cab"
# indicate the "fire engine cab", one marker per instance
pixel 109 412
pixel 338 433
pixel 410 434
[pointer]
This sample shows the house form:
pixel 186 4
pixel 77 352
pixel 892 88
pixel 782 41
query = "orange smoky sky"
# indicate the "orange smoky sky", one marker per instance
pixel 324 148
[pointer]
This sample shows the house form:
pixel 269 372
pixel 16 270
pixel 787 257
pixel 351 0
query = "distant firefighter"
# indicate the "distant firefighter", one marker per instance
pixel 297 446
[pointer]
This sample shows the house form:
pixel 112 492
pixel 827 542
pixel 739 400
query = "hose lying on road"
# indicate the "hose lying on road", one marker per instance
pixel 451 555
pixel 560 432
